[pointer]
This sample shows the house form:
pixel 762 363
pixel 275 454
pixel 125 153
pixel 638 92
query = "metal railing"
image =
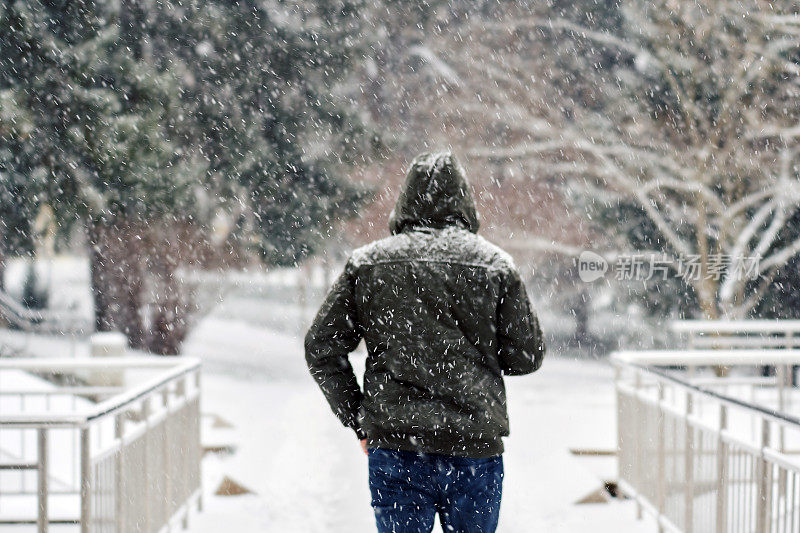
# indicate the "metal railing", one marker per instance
pixel 707 454
pixel 114 459
pixel 736 334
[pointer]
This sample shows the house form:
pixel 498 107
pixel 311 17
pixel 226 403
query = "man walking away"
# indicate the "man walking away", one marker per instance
pixel 444 314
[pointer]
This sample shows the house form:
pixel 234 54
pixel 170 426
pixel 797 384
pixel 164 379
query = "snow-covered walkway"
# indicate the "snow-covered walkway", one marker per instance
pixel 307 473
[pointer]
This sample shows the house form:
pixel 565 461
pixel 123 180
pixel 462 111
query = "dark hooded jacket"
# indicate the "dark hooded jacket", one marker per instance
pixel 443 313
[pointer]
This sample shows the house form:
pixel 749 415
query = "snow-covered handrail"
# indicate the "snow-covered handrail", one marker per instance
pixel 735 326
pixel 736 357
pixel 172 368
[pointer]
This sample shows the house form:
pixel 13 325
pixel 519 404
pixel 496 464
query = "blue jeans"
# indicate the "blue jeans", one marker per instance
pixel 409 488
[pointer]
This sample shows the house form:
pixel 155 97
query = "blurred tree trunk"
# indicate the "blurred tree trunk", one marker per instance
pixel 582 310
pixel 169 326
pixel 123 255
pixel 99 261
pixel 377 78
pixel 170 246
pixel 117 277
pixel 130 272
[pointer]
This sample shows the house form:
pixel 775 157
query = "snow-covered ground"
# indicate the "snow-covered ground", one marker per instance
pixel 307 473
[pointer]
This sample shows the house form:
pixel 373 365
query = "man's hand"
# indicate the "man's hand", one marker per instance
pixel 364 446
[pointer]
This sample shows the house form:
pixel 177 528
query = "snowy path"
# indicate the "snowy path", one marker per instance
pixel 308 474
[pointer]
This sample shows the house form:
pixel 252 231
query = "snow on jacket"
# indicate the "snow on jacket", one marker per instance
pixel 443 313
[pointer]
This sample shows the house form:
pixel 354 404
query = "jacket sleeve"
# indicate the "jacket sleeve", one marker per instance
pixel 521 345
pixel 335 333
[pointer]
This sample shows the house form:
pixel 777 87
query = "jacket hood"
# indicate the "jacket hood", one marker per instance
pixel 436 194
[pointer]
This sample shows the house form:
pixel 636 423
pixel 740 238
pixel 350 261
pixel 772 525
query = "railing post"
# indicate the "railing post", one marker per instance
pixel 689 466
pixel 22 408
pixel 618 394
pixel 792 368
pixel 119 482
pixel 168 441
pixel 722 472
pixel 639 451
pixel 662 433
pixel 86 481
pixel 763 488
pixel 186 437
pixel 782 375
pixel 196 439
pixel 145 462
pixel 42 520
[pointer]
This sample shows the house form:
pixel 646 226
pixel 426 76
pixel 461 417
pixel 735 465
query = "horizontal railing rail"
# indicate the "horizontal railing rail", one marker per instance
pixel 697 358
pixel 750 408
pixel 737 327
pixel 124 399
pixel 741 334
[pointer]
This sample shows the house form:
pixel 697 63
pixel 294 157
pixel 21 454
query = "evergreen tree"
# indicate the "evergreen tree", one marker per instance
pixel 98 135
pixel 262 107
pixel 122 115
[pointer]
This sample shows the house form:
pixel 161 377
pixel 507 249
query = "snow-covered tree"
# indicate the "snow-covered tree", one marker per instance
pixel 687 119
